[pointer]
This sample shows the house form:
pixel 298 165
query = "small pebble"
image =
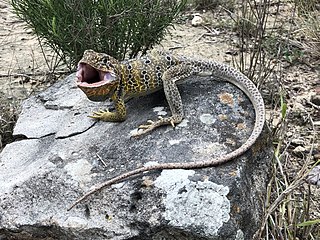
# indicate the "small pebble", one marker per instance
pixel 297 142
pixel 299 149
pixel 196 21
pixel 314 176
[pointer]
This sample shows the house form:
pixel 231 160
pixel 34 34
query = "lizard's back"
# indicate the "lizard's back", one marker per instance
pixel 143 75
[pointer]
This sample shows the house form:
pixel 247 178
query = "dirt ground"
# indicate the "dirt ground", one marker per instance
pixel 22 67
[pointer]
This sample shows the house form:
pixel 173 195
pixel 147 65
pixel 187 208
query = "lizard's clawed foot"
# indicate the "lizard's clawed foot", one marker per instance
pixel 101 115
pixel 145 128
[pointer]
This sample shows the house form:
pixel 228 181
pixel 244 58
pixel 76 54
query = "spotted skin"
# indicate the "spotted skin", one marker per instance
pixel 158 70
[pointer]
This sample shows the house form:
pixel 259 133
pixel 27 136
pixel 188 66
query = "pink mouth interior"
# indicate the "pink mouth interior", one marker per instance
pixel 90 77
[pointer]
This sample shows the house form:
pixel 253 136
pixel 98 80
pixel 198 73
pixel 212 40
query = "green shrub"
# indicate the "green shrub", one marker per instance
pixel 117 27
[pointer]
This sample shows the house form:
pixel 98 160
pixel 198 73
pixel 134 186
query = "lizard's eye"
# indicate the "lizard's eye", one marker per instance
pixel 105 60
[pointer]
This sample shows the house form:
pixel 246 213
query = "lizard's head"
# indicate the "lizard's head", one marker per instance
pixel 97 75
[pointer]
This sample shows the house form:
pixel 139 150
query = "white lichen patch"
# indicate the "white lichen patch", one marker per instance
pixel 240 235
pixel 208 149
pixel 134 132
pixel 184 123
pixel 201 206
pixel 160 111
pixel 150 163
pixel 207 119
pixel 174 141
pixel 118 185
pixel 75 222
pixel 79 170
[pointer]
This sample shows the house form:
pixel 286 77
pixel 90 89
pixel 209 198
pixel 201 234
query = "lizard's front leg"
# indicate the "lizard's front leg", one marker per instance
pixel 118 115
pixel 169 78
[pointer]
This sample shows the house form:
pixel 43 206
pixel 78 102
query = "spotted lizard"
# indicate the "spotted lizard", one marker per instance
pixel 101 76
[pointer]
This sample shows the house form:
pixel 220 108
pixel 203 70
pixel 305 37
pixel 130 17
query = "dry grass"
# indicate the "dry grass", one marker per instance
pixel 8 117
pixel 289 197
pixel 308 21
pixel 310 27
pixel 264 44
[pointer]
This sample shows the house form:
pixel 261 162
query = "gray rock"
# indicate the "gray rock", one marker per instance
pixel 60 153
pixel 314 176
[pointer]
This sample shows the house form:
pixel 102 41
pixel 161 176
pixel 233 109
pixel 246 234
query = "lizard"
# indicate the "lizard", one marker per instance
pixel 101 76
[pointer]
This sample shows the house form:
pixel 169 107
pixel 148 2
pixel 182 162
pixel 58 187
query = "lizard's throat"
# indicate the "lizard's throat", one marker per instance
pixel 97 85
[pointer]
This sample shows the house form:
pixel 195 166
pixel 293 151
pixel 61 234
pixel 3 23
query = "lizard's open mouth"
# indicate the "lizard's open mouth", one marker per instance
pixel 96 84
pixel 88 76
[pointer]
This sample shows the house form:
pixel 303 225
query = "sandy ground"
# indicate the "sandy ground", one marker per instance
pixel 20 55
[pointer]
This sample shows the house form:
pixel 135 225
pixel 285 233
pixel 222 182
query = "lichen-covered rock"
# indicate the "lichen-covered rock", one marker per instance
pixel 61 153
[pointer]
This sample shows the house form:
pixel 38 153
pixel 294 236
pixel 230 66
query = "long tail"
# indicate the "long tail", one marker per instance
pixel 233 76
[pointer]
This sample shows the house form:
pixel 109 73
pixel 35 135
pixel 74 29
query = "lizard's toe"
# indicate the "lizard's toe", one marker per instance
pixel 149 124
pixel 144 126
pixel 172 123
pixel 100 114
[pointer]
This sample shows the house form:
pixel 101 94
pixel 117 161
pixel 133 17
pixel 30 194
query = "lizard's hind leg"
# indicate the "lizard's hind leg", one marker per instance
pixel 170 78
